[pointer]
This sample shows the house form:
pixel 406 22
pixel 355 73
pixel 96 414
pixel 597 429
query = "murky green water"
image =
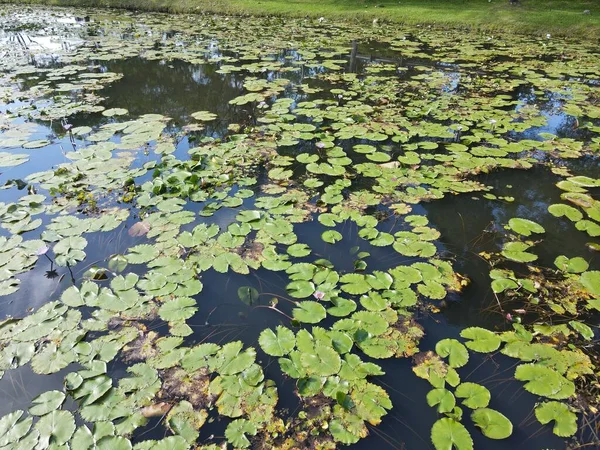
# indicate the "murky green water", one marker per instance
pixel 234 232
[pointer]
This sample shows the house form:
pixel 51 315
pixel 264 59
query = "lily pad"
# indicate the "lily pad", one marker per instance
pixel 278 343
pixel 448 434
pixel 565 420
pixel 493 424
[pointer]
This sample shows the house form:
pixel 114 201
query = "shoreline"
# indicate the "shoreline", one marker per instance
pixel 534 17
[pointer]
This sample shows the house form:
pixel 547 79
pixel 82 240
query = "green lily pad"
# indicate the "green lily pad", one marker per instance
pixel 448 434
pixel 572 265
pixel 565 420
pixel 591 281
pixel 56 427
pixel 443 398
pixel 562 210
pixel 309 312
pixel 324 361
pixel 482 340
pixel 544 381
pixel 456 352
pixel 277 344
pixel 474 395
pixel 46 402
pixel 204 116
pixel 493 424
pixel 331 236
pixel 300 288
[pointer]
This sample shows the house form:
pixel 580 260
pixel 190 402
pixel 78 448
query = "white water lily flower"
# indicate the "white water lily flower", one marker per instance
pixel 42 250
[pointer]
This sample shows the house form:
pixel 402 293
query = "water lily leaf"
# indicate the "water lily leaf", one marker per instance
pixel 230 360
pixel 493 424
pixel 516 251
pixel 544 381
pixel 341 307
pixel 248 216
pixel 37 144
pixel 69 250
pixel 248 295
pixel 12 429
pixel 447 434
pixel 168 443
pixel 237 430
pixel 46 402
pixel 51 360
pixel 204 116
pixel 277 344
pixel 456 352
pixel 114 112
pixel 348 432
pixel 185 421
pixel 180 308
pixel 355 284
pixel 141 254
pixel 302 271
pixel 117 263
pixel 92 389
pixel 324 361
pixel 309 312
pixel 120 283
pixel 482 340
pixel 371 402
pixel 525 227
pixel 565 420
pixel 474 395
pixel 300 288
pixel 12 159
pixel 114 443
pixel 586 332
pixel 562 210
pixel 443 398
pixel 591 228
pixel 432 289
pixel 56 427
pixel 591 281
pixel 572 265
pixel 502 284
pixel 298 250
pixel 331 236
pixel 379 280
pixel 292 365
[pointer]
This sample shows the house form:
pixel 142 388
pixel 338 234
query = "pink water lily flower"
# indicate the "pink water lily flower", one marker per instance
pixel 66 125
pixel 319 295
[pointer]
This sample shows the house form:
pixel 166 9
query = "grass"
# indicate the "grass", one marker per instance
pixel 557 17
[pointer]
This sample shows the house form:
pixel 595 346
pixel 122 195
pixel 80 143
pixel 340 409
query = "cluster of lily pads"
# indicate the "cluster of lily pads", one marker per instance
pixel 332 140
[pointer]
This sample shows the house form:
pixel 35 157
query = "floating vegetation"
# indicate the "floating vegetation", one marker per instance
pixel 243 266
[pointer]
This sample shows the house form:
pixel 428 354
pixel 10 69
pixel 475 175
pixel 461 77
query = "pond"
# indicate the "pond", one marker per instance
pixel 235 232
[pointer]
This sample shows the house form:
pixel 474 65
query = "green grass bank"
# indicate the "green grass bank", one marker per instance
pixel 574 18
